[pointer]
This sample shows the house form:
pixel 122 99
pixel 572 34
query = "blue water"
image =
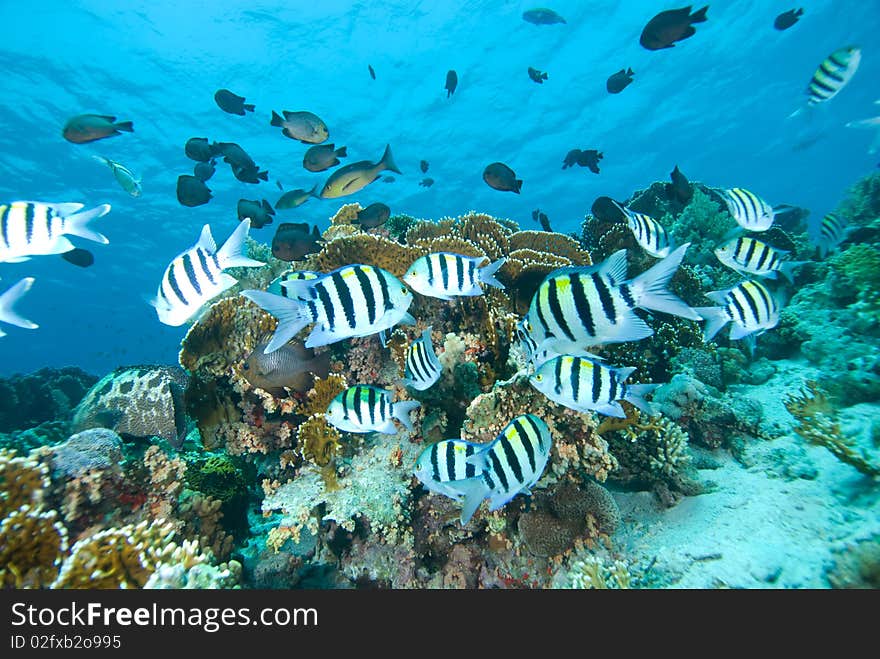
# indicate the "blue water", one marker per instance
pixel 716 105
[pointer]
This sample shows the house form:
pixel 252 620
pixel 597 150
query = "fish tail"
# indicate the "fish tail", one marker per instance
pixel 487 274
pixel 263 175
pixel 126 126
pixel 473 491
pixel 249 107
pixel 787 269
pixel 76 224
pixel 101 159
pixel 652 291
pixel 276 119
pixel 314 192
pixel 341 152
pixel 8 300
pixel 700 16
pixel 388 160
pixel 230 254
pixel 715 317
pixel 292 316
pixel 401 410
pixel 635 394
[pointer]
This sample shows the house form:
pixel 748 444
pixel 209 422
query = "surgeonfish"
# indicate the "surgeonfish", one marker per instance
pixel 196 276
pixel 670 26
pixel 753 257
pixel 750 211
pixel 34 228
pixel 499 176
pixel 357 175
pixel 304 126
pixel 827 234
pixel 422 368
pixel 85 128
pixel 749 305
pixel 583 385
pixel 445 275
pixel 354 300
pixel 511 464
pixel 123 175
pixel 276 287
pixel 232 103
pixel 364 408
pixel 575 307
pixel 444 462
pixel 8 300
pixel 649 233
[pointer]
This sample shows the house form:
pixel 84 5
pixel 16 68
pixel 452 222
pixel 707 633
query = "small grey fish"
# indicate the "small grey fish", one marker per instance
pixel 501 177
pixel 374 215
pixel 90 127
pixel 123 176
pixel 303 126
pixel 260 214
pixel 232 103
pixel 426 182
pixel 787 18
pixel 323 156
pixel 294 198
pixel 292 366
pixel 670 26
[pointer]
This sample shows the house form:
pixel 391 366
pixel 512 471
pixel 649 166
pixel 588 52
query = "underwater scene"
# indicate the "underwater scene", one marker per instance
pixel 407 295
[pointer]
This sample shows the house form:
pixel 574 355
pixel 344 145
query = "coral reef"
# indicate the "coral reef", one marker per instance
pixel 857 565
pixel 45 395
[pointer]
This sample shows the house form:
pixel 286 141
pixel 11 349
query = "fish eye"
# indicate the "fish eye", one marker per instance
pixel 528 326
pixel 405 290
pixel 538 377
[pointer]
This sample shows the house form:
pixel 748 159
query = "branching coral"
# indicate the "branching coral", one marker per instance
pixel 32 546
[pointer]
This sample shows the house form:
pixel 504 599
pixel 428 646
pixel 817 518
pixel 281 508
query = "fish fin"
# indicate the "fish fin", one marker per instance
pixel 501 499
pixel 718 297
pixel 751 341
pixel 102 160
pixel 635 394
pixel 487 274
pixel 737 331
pixel 18 259
pixel 76 224
pixel 314 192
pixel 401 409
pixel 249 107
pixel 383 337
pixel 630 328
pixel 62 245
pixel 388 160
pixel 614 266
pixel 624 373
pixel 206 240
pixel 653 292
pixel 230 255
pixel 263 175
pixel 268 207
pixel 479 459
pixel 64 209
pixel 341 152
pixel 292 316
pixel 298 288
pixel 227 281
pixel 611 409
pixel 472 491
pixel 715 317
pixel 276 119
pixel 699 16
pixel 407 319
pixel 321 336
pixel 125 126
pixel 517 186
pixel 8 300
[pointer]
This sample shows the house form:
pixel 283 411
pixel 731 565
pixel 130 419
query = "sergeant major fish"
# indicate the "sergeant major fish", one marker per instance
pixel 827 234
pixel 753 257
pixel 196 276
pixel 443 463
pixel 750 211
pixel 276 287
pixel 649 233
pixel 749 305
pixel 445 275
pixel 364 408
pixel 833 74
pixel 356 176
pixel 9 298
pixel 123 175
pixel 33 228
pixel 354 300
pixel 422 368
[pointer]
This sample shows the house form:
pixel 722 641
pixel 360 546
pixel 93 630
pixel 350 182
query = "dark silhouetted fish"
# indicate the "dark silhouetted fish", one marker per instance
pixel 90 127
pixel 501 177
pixel 680 188
pixel 670 26
pixel 423 165
pixel 292 241
pixel 542 17
pixel 537 76
pixel 232 103
pixel 542 219
pixel 451 83
pixel 292 366
pixel 372 73
pixel 234 155
pixel 373 216
pixel 605 209
pixel 787 18
pixel 260 214
pixel 590 159
pixel 426 182
pixel 294 198
pixel 388 179
pixel 323 156
pixel 249 174
pixel 304 126
pixel 205 170
pixel 356 176
pixel 192 191
pixel 571 158
pixel 78 256
pixel 198 149
pixel 619 81
pixel 280 187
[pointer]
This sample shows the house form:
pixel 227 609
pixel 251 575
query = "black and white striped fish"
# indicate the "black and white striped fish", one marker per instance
pixel 364 408
pixel 827 234
pixel 354 300
pixel 649 233
pixel 277 286
pixel 511 464
pixel 196 276
pixel 750 306
pixel 422 368
pixel 584 385
pixel 578 307
pixel 753 257
pixel 833 74
pixel 8 299
pixel 445 275
pixel 32 228
pixel 535 355
pixel 444 462
pixel 750 211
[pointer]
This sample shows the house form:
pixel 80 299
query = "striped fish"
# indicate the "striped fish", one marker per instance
pixel 827 234
pixel 124 176
pixel 277 286
pixel 750 211
pixel 364 408
pixel 443 462
pixel 753 257
pixel 511 464
pixel 445 275
pixel 749 305
pixel 31 228
pixel 649 233
pixel 536 355
pixel 578 307
pixel 196 276
pixel 583 385
pixel 354 300
pixel 7 305
pixel 833 74
pixel 422 368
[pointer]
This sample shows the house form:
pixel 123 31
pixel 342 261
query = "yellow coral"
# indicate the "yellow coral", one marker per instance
pixel 317 440
pixel 345 215
pixel 23 481
pixel 322 394
pixel 367 249
pixel 550 243
pixel 32 546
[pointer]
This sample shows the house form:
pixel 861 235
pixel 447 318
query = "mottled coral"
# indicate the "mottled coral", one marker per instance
pixel 857 565
pixel 862 205
pixel 366 249
pixel 45 395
